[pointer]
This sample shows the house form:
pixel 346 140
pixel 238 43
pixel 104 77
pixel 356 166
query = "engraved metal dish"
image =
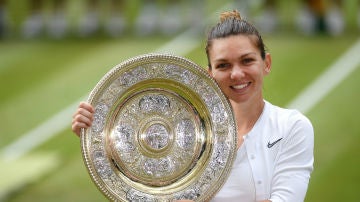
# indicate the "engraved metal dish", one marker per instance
pixel 162 131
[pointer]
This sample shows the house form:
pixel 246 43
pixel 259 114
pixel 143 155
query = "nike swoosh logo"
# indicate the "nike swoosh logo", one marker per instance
pixel 269 145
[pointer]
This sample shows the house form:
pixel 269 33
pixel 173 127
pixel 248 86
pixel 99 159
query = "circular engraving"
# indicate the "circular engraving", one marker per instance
pixel 162 131
pixel 156 136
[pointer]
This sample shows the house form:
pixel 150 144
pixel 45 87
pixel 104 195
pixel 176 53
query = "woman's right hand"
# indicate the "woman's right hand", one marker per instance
pixel 82 118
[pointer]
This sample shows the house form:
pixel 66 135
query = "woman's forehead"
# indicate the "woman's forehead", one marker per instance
pixel 234 44
pixel 235 40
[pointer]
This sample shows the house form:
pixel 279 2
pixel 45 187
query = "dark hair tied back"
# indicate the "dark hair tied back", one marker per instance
pixel 229 14
pixel 232 24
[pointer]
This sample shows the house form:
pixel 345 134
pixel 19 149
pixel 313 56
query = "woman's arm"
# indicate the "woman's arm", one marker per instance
pixel 294 163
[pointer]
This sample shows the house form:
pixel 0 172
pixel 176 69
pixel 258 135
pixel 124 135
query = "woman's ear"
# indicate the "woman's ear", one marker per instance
pixel 267 63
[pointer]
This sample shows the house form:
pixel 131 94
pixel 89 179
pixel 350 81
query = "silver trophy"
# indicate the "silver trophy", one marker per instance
pixel 162 131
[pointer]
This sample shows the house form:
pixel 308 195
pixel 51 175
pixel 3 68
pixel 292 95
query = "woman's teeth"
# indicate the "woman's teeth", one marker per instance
pixel 238 87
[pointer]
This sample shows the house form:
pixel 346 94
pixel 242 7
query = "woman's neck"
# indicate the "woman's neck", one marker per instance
pixel 246 115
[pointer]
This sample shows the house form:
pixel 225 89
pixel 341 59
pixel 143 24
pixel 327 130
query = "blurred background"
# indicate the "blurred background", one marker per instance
pixel 53 52
pixel 59 19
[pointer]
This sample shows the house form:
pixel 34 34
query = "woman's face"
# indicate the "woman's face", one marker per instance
pixel 238 68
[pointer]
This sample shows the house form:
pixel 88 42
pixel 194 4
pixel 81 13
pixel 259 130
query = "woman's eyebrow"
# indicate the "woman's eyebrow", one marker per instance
pixel 247 54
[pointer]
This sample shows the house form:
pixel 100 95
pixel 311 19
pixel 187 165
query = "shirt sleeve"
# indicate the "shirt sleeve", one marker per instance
pixel 294 162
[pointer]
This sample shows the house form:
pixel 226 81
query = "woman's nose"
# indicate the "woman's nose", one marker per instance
pixel 236 73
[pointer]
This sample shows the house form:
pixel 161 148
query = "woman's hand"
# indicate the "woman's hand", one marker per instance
pixel 82 118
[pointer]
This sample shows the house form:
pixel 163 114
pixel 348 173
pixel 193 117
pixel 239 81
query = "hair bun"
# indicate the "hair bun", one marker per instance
pixel 230 14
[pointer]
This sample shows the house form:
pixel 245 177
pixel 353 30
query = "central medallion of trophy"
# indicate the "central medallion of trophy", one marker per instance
pixel 156 136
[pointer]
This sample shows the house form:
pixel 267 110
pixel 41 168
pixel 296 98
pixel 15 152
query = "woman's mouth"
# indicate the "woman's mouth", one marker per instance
pixel 240 86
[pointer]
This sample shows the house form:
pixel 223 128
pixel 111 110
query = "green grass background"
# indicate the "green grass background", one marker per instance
pixel 38 78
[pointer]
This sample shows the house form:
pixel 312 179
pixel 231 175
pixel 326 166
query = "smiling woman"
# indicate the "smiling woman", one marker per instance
pixel 238 63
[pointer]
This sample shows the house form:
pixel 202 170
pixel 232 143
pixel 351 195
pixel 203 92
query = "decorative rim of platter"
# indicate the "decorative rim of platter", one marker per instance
pixel 162 131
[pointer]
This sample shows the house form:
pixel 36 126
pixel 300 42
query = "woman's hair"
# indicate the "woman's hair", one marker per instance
pixel 232 24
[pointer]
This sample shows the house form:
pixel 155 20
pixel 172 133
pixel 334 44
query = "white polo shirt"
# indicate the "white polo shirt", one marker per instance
pixel 274 162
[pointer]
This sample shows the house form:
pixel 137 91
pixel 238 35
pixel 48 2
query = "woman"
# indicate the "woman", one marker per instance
pixel 275 146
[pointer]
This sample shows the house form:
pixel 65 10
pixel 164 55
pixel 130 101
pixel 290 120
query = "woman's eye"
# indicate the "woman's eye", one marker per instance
pixel 222 65
pixel 247 60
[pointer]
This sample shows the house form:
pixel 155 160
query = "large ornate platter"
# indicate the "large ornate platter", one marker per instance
pixel 162 131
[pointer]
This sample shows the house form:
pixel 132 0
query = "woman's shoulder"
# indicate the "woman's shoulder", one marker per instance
pixel 285 115
pixel 289 123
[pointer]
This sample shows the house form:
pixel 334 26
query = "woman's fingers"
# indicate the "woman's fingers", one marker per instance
pixel 76 127
pixel 82 118
pixel 87 106
pixel 83 114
